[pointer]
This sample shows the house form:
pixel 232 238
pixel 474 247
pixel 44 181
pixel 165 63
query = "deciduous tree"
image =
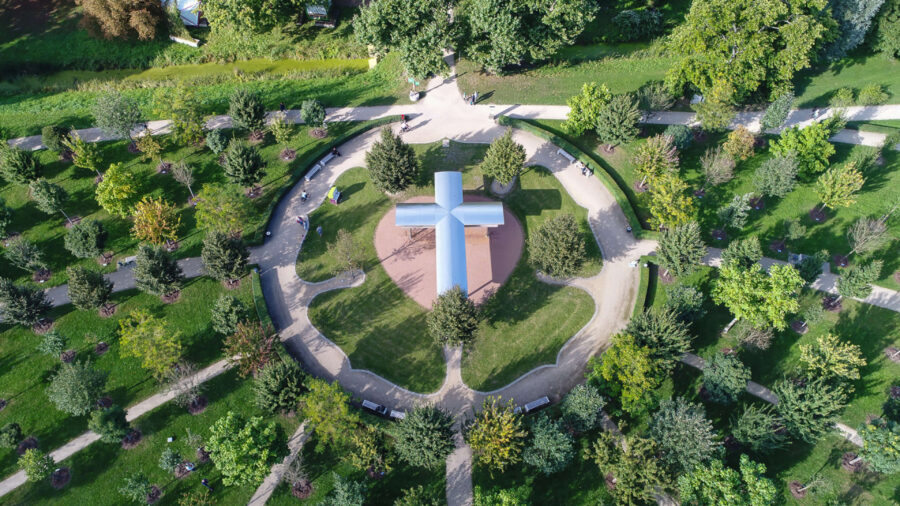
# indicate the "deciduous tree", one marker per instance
pixel 76 387
pixel 155 221
pixel 242 449
pixel 453 318
pixel 809 145
pixel 348 253
pixel 856 281
pixel 655 157
pixel 740 143
pixel 683 434
pixel 634 467
pixel 717 166
pixel 867 234
pixel 670 205
pixel 743 253
pixel 626 372
pixel 136 487
pixel 716 110
pixel 392 163
pixel 761 299
pixel 830 358
pixel 183 173
pixel 85 155
pixel 116 192
pixel 327 408
pixel 584 108
pixel 549 449
pixel 881 445
pixel 496 435
pixel 181 105
pixel 714 483
pixel 557 247
pixel 220 208
pixel 251 347
pixel 504 159
pixel 149 339
pixel 24 254
pixel 129 19
pixel 838 186
pixel 36 464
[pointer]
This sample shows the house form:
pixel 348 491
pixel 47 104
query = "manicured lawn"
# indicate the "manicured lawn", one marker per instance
pixel 814 87
pixel 881 189
pixel 553 83
pixel 25 372
pixel 524 325
pixel 99 470
pixel 26 113
pixel 48 232
pixel 321 466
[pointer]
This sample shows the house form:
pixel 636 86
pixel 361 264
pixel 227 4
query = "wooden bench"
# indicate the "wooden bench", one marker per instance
pixel 565 155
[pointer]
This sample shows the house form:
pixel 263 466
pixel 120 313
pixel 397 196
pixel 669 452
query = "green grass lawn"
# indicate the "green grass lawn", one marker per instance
pixel 814 87
pixel 320 467
pixel 48 232
pixel 25 371
pixel 99 470
pixel 375 324
pixel 881 189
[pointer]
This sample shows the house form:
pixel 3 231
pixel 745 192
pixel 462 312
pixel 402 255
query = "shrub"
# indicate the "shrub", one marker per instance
pixel 143 19
pixel 686 302
pixel 18 166
pixel 22 305
pixel 10 435
pixel 776 176
pixel 217 141
pixel 136 487
pixel 36 464
pixel 425 437
pixel 156 272
pixel 725 378
pixel 617 121
pixel 777 112
pixel 641 24
pixel 109 423
pixel 52 137
pixel 225 258
pixel 681 135
pixel 453 318
pixel 246 110
pixel 550 449
pixel 76 387
pixel 243 165
pixel 279 385
pixel 392 163
pixel 53 343
pixel 872 94
pixel 843 97
pixel 740 143
pixel 312 112
pixel 557 247
pixel 226 314
pixel 85 239
pixel 88 289
pixel 581 407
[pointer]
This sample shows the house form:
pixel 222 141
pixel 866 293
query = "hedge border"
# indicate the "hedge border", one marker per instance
pixel 643 294
pixel 305 163
pixel 639 231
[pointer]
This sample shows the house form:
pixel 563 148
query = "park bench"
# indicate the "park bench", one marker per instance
pixel 534 405
pixel 126 261
pixel 565 155
pixel 375 408
pixel 397 415
pixel 317 167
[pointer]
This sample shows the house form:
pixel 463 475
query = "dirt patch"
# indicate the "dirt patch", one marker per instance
pixel 133 148
pixel 171 297
pixel 758 203
pixel 817 215
pixel 840 260
pixel 132 439
pixel 665 276
pixel 777 246
pixel 104 402
pixel 29 443
pixel 640 188
pixel 847 462
pixel 60 478
pixel 831 303
pixel 287 155
pixel 799 327
pixel 107 310
pixel 163 167
pixel 252 193
pixel 610 481
pixel 232 284
pixel 797 490
pixel 893 354
pixel 72 221
pixel 719 234
pixel 172 246
pixel 41 275
pixel 181 470
pixel 105 259
pixel 198 405
pixel 699 193
pixel 43 326
pixel 257 136
pixel 699 135
pixel 318 133
pixel 202 455
pixel 154 495
pixel 302 489
pixel 98 179
pixel 608 148
pixel 68 356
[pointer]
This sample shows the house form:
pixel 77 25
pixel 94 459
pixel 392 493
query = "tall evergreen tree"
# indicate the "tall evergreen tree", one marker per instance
pixel 88 289
pixel 759 430
pixel 684 435
pixel 156 272
pixel 22 305
pixel 681 249
pixel 504 159
pixel 725 378
pixel 617 122
pixel 246 110
pixel 225 258
pixel 392 163
pixel 424 438
pixel 243 165
pixel 663 333
pixel 809 410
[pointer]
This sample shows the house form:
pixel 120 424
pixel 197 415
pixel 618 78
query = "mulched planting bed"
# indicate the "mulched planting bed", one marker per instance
pixel 288 155
pixel 758 204
pixel 840 260
pixel 68 356
pixel 796 491
pixel 107 310
pixel 719 234
pixel 848 464
pixel 60 478
pixel 43 326
pixel 132 439
pixel 799 327
pixel 171 297
pixel 154 495
pixel 101 348
pixel 27 444
pixel 41 275
pixel 198 405
pixel 777 246
pixel 817 215
pixel 302 489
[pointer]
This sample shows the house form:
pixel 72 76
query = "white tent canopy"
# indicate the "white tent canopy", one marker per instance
pixel 188 9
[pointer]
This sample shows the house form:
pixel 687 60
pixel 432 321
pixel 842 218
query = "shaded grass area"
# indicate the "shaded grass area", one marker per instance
pixel 48 232
pixel 321 465
pixel 99 470
pixel 869 327
pixel 527 321
pixel 24 372
pixel 816 86
pixel 882 188
pixel 525 314
pixel 26 114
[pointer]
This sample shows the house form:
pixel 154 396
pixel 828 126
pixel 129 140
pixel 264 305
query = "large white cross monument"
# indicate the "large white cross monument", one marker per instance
pixel 449 216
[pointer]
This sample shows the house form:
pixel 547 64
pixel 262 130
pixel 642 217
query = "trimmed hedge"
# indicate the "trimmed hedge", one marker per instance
pixel 639 231
pixel 640 303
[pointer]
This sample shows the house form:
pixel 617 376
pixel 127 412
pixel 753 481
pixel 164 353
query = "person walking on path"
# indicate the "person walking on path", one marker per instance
pixel 475 97
pixel 281 107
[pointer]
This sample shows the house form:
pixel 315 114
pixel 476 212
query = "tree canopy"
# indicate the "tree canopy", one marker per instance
pixel 714 483
pixel 504 159
pixel 761 299
pixel 496 435
pixel 392 163
pixel 424 438
pixel 243 450
pixel 681 249
pixel 684 435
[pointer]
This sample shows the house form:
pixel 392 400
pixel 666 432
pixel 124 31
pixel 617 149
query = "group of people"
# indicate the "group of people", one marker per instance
pixel 470 99
pixel 585 170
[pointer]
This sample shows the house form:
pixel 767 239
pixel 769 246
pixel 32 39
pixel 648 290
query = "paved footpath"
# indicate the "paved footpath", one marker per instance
pixel 441 115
